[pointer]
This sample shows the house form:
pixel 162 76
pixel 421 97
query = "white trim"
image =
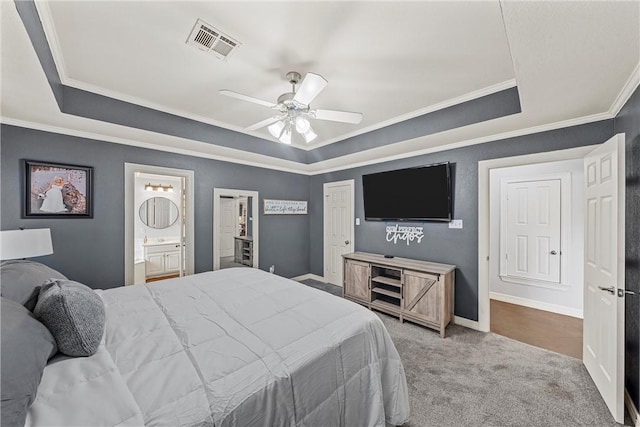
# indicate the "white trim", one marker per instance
pixel 538 305
pixel 255 215
pixel 349 161
pixel 484 168
pixel 232 155
pixel 621 325
pixel 129 214
pixel 325 218
pixel 633 411
pixel 627 90
pixel 44 13
pixel 429 109
pixel 312 277
pixel 467 323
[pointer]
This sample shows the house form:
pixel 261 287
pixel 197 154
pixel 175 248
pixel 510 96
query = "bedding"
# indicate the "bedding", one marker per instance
pixel 20 280
pixel 233 347
pixel 26 346
pixel 74 314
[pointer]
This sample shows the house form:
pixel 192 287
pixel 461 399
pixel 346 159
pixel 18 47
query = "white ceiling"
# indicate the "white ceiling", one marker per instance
pixel 389 60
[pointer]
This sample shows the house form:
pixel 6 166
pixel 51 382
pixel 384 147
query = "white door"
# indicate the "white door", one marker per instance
pixel 603 340
pixel 338 228
pixel 227 226
pixel 533 230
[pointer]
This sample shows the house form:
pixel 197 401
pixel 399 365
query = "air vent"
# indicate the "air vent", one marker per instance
pixel 206 38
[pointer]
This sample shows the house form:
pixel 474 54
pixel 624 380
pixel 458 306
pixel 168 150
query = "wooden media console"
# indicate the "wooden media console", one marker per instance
pixel 418 291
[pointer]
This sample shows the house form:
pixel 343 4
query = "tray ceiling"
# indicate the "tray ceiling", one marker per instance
pixel 389 60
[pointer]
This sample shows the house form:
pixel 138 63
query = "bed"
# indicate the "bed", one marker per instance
pixel 233 347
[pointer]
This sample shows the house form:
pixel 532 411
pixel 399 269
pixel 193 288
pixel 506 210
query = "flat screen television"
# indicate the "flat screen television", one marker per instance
pixel 414 194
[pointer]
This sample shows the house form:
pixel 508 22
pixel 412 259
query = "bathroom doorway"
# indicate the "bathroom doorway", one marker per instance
pixel 159 226
pixel 235 228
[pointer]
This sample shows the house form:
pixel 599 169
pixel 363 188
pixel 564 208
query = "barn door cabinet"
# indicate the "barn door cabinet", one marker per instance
pixel 419 291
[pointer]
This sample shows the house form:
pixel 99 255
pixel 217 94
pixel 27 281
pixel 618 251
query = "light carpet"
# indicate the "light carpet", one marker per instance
pixel 473 378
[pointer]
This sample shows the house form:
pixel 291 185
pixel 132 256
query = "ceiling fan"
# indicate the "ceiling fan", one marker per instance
pixel 294 109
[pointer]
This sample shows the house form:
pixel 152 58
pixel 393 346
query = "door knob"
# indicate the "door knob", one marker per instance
pixel 554 253
pixel 610 289
pixel 346 242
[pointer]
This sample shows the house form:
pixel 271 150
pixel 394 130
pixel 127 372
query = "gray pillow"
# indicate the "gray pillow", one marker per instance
pixel 21 280
pixel 26 346
pixel 74 314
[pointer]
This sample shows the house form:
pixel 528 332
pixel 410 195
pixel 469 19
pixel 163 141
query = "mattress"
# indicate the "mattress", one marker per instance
pixel 233 347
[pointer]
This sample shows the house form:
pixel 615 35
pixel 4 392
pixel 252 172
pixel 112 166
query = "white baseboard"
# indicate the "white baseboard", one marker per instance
pixel 633 411
pixel 463 321
pixel 310 276
pixel 553 308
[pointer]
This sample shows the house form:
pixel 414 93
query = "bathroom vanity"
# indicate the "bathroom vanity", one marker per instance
pixel 162 258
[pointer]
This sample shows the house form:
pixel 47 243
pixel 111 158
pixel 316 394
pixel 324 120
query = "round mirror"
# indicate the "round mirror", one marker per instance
pixel 158 212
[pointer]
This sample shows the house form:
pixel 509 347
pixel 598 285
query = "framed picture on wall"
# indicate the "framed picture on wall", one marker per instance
pixel 54 190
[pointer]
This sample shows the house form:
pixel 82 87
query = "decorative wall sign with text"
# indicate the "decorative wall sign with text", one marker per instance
pixel 285 207
pixel 404 232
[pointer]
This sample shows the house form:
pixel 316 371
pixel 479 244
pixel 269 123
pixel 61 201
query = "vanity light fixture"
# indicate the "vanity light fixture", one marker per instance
pixel 159 188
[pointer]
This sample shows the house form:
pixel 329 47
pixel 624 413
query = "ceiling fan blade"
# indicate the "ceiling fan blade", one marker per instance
pixel 338 116
pixel 311 86
pixel 265 122
pixel 237 95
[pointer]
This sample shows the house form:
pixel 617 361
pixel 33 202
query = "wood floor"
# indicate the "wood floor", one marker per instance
pixel 155 279
pixel 555 332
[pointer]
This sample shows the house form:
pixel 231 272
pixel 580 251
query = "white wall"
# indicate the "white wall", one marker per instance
pixel 141 195
pixel 567 298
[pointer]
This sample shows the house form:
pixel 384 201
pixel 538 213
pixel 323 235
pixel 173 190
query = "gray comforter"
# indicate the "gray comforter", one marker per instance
pixel 236 347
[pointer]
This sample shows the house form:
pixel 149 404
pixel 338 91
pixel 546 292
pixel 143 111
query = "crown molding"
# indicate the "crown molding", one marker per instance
pixel 625 93
pixel 224 154
pixel 346 162
pixel 470 96
pixel 52 38
pixel 459 144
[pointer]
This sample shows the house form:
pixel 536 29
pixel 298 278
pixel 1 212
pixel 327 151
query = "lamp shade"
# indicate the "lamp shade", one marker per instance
pixel 16 244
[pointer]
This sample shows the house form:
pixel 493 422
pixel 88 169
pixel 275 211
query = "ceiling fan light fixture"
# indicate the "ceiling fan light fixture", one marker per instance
pixel 276 128
pixel 285 138
pixel 294 111
pixel 302 125
pixel 309 135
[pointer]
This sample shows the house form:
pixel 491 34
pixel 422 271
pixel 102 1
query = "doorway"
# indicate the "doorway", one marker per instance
pixel 485 250
pixel 536 254
pixel 339 233
pixel 159 209
pixel 235 228
pixel 603 205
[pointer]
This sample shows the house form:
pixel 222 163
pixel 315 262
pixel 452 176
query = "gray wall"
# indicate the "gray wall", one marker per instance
pixel 628 121
pixel 441 244
pixel 90 250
